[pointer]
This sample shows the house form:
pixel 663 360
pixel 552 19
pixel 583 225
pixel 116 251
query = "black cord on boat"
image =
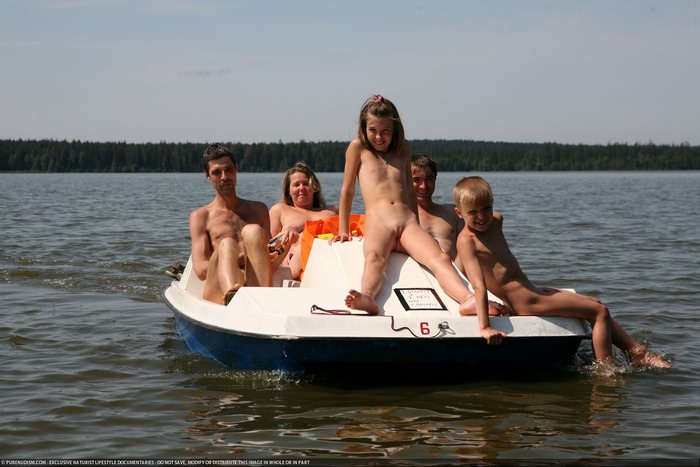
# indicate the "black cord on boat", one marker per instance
pixel 317 310
pixel 402 328
pixel 442 327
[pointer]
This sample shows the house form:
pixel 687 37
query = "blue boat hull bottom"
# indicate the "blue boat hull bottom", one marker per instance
pixel 250 352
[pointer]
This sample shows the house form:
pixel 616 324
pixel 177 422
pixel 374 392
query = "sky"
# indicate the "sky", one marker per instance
pixel 202 71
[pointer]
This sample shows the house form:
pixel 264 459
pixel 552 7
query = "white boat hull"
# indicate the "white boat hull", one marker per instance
pixel 300 326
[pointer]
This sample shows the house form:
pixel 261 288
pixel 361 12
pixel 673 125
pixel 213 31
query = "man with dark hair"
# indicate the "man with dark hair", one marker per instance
pixel 230 235
pixel 440 220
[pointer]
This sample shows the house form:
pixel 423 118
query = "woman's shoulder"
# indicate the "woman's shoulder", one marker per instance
pixel 279 208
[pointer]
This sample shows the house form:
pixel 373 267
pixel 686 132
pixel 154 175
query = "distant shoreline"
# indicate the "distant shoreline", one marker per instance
pixel 329 156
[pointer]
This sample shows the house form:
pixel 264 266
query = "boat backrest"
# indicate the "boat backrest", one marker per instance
pixel 334 265
pixel 190 282
pixel 341 265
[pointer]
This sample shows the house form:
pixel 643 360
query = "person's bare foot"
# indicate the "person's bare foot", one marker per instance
pixel 606 368
pixel 640 356
pixel 359 301
pixel 468 307
pixel 497 309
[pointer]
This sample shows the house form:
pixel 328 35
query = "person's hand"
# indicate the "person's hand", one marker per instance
pixel 290 237
pixel 492 336
pixel 341 237
pixel 282 242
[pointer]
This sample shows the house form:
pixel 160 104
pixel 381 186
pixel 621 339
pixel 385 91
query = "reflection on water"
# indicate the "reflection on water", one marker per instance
pixel 261 414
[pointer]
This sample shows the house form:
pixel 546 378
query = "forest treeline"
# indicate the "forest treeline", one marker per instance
pixel 329 156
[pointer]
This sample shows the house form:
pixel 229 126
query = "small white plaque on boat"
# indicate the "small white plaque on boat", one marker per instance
pixel 419 299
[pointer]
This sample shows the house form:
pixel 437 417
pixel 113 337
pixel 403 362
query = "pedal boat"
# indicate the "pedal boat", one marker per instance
pixel 301 326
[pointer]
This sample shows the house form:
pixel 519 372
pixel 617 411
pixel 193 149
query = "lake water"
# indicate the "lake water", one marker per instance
pixel 93 368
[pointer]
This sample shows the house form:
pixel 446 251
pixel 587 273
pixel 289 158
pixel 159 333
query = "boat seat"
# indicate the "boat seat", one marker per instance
pixel 282 277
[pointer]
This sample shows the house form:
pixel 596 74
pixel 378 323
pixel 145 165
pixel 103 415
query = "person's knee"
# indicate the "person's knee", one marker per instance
pixel 443 258
pixel 226 243
pixel 374 258
pixel 440 260
pixel 227 248
pixel 602 312
pixel 252 234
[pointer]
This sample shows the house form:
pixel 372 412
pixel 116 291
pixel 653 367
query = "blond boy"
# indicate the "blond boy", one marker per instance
pixel 489 264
